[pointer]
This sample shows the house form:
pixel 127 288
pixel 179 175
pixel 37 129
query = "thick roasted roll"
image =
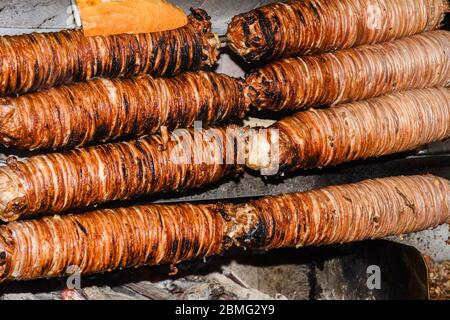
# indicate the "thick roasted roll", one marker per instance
pixel 31 62
pixel 305 27
pixel 102 110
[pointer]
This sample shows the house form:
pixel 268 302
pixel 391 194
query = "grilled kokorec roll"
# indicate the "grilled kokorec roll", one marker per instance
pixel 109 239
pixel 101 110
pixel 366 210
pixel 359 130
pixel 36 61
pixel 416 62
pixel 116 238
pixel 56 182
pixel 312 26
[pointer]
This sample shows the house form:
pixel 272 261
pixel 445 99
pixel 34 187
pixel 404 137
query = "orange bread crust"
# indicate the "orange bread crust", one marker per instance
pixel 112 17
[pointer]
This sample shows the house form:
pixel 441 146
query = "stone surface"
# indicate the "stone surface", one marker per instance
pixel 18 16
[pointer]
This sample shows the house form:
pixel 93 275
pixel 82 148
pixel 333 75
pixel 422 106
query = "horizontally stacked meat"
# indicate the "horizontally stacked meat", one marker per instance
pixel 369 113
pixel 102 110
pixel 110 239
pixel 418 61
pixel 370 128
pixel 314 138
pixel 371 209
pixel 311 26
pixel 56 182
pixel 41 60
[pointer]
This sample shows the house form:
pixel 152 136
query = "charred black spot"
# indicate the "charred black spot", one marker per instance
pixel 246 30
pixel 153 177
pixel 73 143
pixel 139 169
pixel 115 61
pixel 101 131
pixel 195 245
pixel 153 56
pixel 124 170
pixel 162 45
pixel 300 16
pixel 2 257
pixel 266 28
pixel 257 237
pixel 314 11
pixel 82 228
pixel 36 78
pixel 251 19
pixel 312 160
pixel 131 59
pixel 171 64
pixel 277 23
pixel 203 112
pixel 197 54
pixel 79 70
pixel 174 248
pixel 256 40
pixel 199 14
pixel 269 93
pixel 75 139
pixel 186 245
pixel 184 55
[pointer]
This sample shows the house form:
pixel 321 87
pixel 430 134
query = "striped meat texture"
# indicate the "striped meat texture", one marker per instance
pixel 56 182
pixel 37 61
pixel 312 26
pixel 415 62
pixel 110 239
pixel 370 209
pixel 102 110
pixel 375 127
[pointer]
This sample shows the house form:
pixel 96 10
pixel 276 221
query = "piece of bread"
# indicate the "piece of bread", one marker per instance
pixel 111 17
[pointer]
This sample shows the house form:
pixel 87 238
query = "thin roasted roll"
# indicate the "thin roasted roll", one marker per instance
pixel 56 182
pixel 110 239
pixel 312 26
pixel 370 128
pixel 415 62
pixel 37 61
pixel 102 110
